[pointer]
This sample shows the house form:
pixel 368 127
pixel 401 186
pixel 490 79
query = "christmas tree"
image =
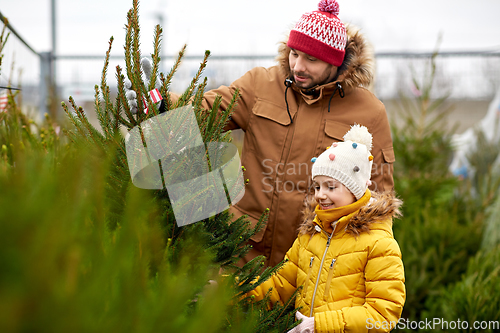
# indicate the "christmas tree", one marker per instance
pixel 104 254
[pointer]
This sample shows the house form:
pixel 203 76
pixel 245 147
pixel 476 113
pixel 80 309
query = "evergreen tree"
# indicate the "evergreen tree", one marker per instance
pixel 222 240
pixel 83 249
pixel 440 229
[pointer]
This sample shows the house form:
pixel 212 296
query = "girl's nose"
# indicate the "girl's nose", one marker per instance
pixel 319 194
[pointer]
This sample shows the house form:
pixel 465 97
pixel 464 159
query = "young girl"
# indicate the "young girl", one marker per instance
pixel 345 256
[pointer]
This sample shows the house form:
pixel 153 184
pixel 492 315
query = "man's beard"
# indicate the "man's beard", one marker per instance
pixel 301 84
pixel 320 81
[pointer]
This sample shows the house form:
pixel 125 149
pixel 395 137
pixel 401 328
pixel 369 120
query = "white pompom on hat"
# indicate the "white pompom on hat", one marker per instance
pixel 349 162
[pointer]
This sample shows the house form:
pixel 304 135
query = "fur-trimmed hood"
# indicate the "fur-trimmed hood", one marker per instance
pixel 382 207
pixel 357 68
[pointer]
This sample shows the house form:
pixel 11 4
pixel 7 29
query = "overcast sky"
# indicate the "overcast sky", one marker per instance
pixel 232 28
pixel 253 27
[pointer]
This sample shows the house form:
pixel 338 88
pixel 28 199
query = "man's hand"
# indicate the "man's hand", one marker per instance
pixel 306 326
pixel 130 94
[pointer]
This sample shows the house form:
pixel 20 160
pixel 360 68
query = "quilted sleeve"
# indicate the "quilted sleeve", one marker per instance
pixel 284 282
pixel 385 295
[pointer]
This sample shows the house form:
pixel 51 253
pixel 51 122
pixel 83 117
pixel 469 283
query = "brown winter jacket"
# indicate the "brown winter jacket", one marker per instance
pixel 277 153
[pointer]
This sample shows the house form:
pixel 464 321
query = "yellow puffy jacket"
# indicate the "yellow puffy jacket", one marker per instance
pixel 351 273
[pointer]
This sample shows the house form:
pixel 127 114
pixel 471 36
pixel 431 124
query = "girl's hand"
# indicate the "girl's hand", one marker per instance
pixel 306 326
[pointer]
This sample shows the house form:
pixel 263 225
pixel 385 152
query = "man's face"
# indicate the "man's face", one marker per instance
pixel 308 71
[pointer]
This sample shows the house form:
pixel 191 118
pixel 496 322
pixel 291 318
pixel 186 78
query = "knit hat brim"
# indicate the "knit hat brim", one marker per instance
pixel 315 48
pixel 344 179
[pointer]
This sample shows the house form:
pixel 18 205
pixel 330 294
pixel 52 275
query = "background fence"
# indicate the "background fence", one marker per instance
pixel 465 75
pixel 21 66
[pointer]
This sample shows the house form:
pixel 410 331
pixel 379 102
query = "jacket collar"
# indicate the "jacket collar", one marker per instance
pixel 376 214
pixel 326 219
pixel 316 93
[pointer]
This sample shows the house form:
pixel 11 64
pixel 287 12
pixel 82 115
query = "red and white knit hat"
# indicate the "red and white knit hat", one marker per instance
pixel 321 34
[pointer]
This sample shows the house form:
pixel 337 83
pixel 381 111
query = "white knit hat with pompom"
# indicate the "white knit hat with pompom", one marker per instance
pixel 349 162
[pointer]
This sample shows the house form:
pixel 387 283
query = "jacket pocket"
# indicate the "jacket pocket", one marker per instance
pixel 389 156
pixel 382 175
pixel 336 130
pixel 329 279
pixel 267 130
pixel 333 132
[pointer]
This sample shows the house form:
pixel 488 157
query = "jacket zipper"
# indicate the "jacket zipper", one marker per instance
pixel 308 275
pixel 329 279
pixel 321 267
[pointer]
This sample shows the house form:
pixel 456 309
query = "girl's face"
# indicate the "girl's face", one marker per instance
pixel 330 193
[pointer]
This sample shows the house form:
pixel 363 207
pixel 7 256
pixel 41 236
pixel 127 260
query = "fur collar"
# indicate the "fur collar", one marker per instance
pixel 382 207
pixel 357 68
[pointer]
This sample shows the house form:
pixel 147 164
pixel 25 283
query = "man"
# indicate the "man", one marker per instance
pixel 291 112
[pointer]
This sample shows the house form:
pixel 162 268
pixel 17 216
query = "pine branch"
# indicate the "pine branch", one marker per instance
pixel 164 92
pixel 281 319
pixel 223 117
pixel 130 122
pixel 136 61
pixel 156 57
pixel 97 107
pixel 166 81
pixel 208 134
pixel 74 120
pixel 198 99
pixel 104 116
pixel 128 42
pixel 116 115
pixel 95 136
pixel 186 96
pixel 152 110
